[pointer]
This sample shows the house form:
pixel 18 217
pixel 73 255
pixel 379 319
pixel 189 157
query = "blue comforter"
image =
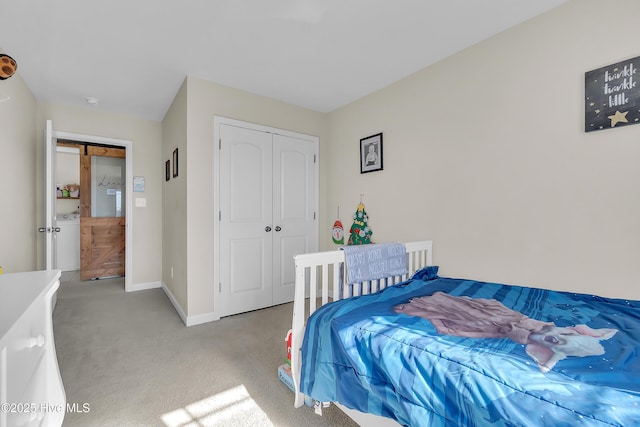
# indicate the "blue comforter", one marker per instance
pixel 381 354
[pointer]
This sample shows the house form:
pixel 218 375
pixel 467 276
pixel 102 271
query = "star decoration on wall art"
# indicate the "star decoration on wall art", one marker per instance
pixel 618 117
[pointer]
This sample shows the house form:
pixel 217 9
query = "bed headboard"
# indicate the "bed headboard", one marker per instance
pixel 316 283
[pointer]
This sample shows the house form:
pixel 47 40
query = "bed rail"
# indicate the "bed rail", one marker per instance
pixel 318 282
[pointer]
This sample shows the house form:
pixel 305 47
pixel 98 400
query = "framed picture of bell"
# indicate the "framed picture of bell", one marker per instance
pixel 167 170
pixel 371 153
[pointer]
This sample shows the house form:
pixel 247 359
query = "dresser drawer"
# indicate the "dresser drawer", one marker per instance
pixel 31 389
pixel 29 409
pixel 25 347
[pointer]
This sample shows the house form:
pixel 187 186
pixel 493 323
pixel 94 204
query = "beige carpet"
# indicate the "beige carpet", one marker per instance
pixel 126 359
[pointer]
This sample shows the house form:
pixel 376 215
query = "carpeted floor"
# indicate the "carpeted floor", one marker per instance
pixel 126 359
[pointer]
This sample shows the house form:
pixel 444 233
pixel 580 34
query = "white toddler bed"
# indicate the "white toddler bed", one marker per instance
pixel 316 284
pixel 444 351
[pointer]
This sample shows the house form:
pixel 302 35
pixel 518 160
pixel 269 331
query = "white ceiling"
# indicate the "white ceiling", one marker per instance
pixel 133 55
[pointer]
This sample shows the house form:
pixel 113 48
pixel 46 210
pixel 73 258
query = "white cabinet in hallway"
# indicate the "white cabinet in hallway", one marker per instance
pixel 68 243
pixel 268 209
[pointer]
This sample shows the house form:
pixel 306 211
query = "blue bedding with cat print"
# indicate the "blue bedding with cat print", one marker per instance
pixel 451 352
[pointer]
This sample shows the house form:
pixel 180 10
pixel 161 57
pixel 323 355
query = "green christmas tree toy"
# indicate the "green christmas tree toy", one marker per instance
pixel 360 231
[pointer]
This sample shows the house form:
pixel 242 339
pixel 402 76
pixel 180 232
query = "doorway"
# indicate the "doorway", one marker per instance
pixel 98 222
pixel 125 206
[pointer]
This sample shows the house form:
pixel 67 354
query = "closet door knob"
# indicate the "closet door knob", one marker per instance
pixel 267 229
pixel 278 228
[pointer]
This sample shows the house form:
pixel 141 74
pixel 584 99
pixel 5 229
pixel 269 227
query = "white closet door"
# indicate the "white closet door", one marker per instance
pixel 294 225
pixel 246 255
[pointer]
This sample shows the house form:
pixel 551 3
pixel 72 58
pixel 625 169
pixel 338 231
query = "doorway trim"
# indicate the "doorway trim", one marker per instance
pixel 128 145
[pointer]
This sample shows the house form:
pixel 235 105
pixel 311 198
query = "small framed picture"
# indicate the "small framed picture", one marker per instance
pixel 167 170
pixel 175 163
pixel 138 184
pixel 371 153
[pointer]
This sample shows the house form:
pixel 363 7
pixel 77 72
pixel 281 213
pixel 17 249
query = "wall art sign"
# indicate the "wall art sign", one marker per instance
pixel 612 96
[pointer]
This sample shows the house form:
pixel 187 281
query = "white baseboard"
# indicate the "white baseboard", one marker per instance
pixel 175 303
pixel 201 318
pixel 143 286
pixel 188 320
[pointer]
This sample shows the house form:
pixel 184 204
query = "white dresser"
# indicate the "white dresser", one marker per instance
pixel 31 390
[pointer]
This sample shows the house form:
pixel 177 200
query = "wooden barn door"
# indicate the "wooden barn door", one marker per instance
pixel 102 212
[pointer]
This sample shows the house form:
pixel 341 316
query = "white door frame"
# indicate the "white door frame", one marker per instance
pixel 217 122
pixel 50 155
pixel 128 145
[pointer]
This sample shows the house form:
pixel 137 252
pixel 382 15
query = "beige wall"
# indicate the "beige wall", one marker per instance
pixel 18 177
pixel 146 136
pixel 204 101
pixel 485 153
pixel 174 201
